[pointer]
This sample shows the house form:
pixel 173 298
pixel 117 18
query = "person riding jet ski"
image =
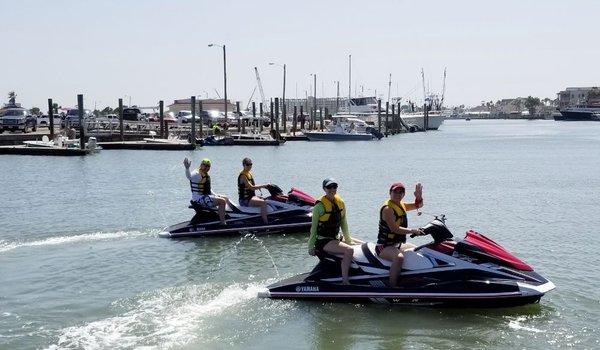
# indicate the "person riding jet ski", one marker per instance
pixel 247 188
pixel 393 228
pixel 202 195
pixel 328 216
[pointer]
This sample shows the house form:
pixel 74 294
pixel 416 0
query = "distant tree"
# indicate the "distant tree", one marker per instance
pixel 55 107
pixel 34 111
pixel 531 103
pixel 518 104
pixel 107 110
pixel 12 97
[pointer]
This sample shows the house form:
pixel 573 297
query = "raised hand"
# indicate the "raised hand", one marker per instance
pixel 187 163
pixel 418 191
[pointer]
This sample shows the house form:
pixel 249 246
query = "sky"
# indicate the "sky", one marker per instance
pixel 152 50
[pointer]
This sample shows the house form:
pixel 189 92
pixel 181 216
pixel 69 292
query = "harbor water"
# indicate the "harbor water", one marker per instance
pixel 82 266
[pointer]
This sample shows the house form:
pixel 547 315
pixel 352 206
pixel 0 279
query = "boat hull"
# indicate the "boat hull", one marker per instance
pixel 327 136
pixel 577 116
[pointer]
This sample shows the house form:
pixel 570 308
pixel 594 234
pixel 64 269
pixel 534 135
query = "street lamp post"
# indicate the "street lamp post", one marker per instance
pixel 224 77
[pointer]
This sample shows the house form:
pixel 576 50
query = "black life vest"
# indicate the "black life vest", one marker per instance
pixel 243 192
pixel 203 186
pixel 331 220
pixel 386 236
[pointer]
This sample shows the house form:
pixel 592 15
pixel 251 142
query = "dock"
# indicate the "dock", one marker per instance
pixel 155 145
pixel 43 151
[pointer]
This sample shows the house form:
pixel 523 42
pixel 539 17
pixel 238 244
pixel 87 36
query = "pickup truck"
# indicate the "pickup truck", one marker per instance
pixel 17 119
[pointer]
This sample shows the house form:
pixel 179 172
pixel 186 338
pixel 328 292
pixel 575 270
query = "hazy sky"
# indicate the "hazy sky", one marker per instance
pixel 152 50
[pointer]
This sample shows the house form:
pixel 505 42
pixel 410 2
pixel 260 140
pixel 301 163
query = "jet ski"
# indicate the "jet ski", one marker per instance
pixel 286 213
pixel 474 272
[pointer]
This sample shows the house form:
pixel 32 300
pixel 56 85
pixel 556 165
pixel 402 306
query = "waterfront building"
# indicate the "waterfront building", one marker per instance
pixel 579 96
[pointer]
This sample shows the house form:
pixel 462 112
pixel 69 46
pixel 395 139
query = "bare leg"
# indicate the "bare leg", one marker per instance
pixel 336 246
pixel 394 255
pixel 259 202
pixel 221 208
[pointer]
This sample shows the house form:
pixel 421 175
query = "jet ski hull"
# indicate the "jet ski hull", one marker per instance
pixel 476 294
pixel 285 222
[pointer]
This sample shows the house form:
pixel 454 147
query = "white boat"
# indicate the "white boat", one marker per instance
pixel 343 128
pixel 436 118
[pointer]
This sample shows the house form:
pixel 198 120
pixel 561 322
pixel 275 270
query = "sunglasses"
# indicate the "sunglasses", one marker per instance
pixel 207 165
pixel 248 164
pixel 334 186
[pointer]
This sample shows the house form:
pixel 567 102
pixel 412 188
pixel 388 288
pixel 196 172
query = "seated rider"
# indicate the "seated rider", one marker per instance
pixel 393 228
pixel 202 195
pixel 247 188
pixel 328 216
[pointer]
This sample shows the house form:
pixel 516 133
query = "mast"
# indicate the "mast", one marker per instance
pixel 443 89
pixel 349 83
pixel 424 92
pixel 389 88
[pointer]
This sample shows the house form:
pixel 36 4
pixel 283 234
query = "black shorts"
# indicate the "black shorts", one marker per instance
pixel 380 247
pixel 321 243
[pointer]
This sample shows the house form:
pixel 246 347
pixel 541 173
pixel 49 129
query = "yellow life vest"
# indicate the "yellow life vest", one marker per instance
pixel 386 236
pixel 331 220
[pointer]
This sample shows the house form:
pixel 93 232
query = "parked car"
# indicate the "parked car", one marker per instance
pixel 132 113
pixel 72 118
pixel 17 119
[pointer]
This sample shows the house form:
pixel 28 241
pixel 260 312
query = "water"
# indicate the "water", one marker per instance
pixel 81 265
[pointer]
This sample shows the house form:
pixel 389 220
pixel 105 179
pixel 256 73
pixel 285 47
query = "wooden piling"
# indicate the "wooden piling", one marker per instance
pixel 302 121
pixel 161 119
pixel 254 113
pixel 81 126
pixel 271 115
pixel 387 115
pixel 321 118
pixel 121 119
pixel 201 114
pixel 260 122
pixel 295 120
pixel 393 119
pixel 425 117
pixel 51 117
pixel 241 128
pixel 193 133
pixel 283 119
pixel 277 118
pixel 379 115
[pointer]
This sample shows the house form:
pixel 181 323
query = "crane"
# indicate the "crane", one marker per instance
pixel 260 88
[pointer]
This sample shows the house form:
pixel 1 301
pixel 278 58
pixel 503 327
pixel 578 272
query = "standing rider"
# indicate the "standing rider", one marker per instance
pixel 247 188
pixel 328 216
pixel 202 195
pixel 393 228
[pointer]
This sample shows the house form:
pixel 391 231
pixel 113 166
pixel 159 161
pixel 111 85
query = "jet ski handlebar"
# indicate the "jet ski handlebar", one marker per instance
pixel 437 229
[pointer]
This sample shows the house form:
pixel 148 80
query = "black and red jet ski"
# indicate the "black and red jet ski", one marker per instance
pixel 474 272
pixel 287 214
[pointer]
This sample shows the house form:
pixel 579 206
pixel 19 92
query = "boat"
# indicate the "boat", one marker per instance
pixel 417 119
pixel 289 213
pixel 474 272
pixel 344 128
pixel 579 113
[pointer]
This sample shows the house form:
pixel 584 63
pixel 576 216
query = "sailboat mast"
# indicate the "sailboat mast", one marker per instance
pixel 349 83
pixel 389 88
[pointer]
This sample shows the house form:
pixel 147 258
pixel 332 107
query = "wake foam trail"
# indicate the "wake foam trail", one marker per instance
pixel 87 237
pixel 517 324
pixel 167 318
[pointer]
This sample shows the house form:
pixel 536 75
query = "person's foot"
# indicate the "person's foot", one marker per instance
pixel 223 223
